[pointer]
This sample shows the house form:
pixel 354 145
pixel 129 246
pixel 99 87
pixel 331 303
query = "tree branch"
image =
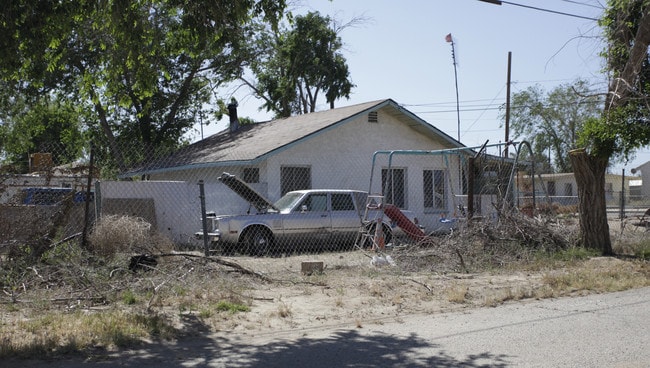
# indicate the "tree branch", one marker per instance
pixel 623 86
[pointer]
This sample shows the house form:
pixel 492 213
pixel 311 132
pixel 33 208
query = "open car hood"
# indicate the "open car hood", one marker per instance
pixel 245 191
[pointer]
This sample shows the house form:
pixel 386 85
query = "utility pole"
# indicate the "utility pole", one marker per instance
pixel 508 105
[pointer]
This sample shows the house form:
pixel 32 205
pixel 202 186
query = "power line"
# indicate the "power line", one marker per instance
pixel 473 108
pixel 583 4
pixel 499 2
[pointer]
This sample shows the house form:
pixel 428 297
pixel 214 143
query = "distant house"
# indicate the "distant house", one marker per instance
pixel 562 188
pixel 327 149
pixel 641 187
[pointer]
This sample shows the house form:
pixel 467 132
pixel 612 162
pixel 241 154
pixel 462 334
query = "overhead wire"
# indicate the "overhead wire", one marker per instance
pixel 584 4
pixel 548 10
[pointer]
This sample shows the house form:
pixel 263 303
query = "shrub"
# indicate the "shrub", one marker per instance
pixel 115 233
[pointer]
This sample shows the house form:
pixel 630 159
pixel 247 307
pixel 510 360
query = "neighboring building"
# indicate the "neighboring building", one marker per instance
pixel 330 149
pixel 641 188
pixel 44 183
pixel 562 188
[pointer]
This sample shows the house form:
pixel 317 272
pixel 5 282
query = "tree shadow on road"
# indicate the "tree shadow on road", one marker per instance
pixel 344 348
pixel 349 348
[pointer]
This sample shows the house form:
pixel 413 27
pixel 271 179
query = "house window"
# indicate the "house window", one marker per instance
pixel 394 186
pixel 251 175
pixel 294 178
pixel 568 189
pixel 550 188
pixel 433 184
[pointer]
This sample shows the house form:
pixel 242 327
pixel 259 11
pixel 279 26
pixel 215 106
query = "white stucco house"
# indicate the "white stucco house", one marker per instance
pixel 332 149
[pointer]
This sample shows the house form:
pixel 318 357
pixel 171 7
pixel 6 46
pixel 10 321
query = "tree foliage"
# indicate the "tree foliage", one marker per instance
pixel 625 124
pixel 45 125
pixel 296 66
pixel 623 127
pixel 143 66
pixel 552 121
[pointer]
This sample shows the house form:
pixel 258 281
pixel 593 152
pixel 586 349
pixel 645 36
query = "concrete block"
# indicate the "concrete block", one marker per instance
pixel 311 267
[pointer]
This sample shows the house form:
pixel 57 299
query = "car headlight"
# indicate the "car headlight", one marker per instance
pixel 214 223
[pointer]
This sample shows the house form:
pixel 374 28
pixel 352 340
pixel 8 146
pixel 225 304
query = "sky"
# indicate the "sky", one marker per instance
pixel 399 51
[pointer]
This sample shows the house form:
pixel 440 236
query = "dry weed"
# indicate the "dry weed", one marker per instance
pixel 457 293
pixel 114 234
pixel 500 296
pixel 117 234
pixel 338 302
pixel 284 310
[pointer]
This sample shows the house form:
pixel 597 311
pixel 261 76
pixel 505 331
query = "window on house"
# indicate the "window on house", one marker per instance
pixel 550 188
pixel 568 189
pixel 251 175
pixel 433 184
pixel 393 183
pixel 294 178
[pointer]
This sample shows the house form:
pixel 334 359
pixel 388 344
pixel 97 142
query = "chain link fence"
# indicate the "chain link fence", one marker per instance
pixel 215 198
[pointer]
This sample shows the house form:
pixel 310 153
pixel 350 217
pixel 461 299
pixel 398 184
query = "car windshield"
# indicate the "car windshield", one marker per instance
pixel 287 202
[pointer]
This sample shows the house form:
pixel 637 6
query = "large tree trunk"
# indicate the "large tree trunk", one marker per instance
pixel 589 172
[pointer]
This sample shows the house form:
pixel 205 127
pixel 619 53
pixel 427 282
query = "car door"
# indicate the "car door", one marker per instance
pixel 345 220
pixel 309 224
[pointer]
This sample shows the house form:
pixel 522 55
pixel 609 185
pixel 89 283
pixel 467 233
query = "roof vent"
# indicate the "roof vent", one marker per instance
pixel 372 117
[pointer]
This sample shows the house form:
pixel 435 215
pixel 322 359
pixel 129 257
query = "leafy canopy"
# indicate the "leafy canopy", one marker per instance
pixel 296 65
pixel 142 67
pixel 551 121
pixel 625 125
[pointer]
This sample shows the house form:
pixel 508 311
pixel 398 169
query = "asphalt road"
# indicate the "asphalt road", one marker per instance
pixel 607 330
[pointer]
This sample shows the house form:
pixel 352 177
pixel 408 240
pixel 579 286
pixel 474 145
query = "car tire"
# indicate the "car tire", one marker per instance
pixel 259 242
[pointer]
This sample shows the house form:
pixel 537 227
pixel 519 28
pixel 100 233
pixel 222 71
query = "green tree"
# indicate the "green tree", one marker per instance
pixel 143 65
pixel 48 127
pixel 623 126
pixel 551 121
pixel 294 67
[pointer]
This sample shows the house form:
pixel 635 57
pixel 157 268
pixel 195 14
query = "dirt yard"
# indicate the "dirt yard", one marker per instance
pixel 352 292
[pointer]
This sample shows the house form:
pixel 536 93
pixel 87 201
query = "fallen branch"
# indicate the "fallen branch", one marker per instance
pixel 423 284
pixel 223 262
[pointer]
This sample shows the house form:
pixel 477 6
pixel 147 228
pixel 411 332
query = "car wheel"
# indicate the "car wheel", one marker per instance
pixel 259 242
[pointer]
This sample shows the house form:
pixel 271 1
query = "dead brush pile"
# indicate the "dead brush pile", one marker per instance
pixel 487 244
pixel 100 274
pixel 68 272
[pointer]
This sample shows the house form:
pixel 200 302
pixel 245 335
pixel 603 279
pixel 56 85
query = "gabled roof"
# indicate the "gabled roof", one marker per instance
pixel 641 167
pixel 252 143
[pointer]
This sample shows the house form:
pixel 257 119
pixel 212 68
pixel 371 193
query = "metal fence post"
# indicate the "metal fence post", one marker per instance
pixel 84 236
pixel 622 213
pixel 98 200
pixel 204 218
